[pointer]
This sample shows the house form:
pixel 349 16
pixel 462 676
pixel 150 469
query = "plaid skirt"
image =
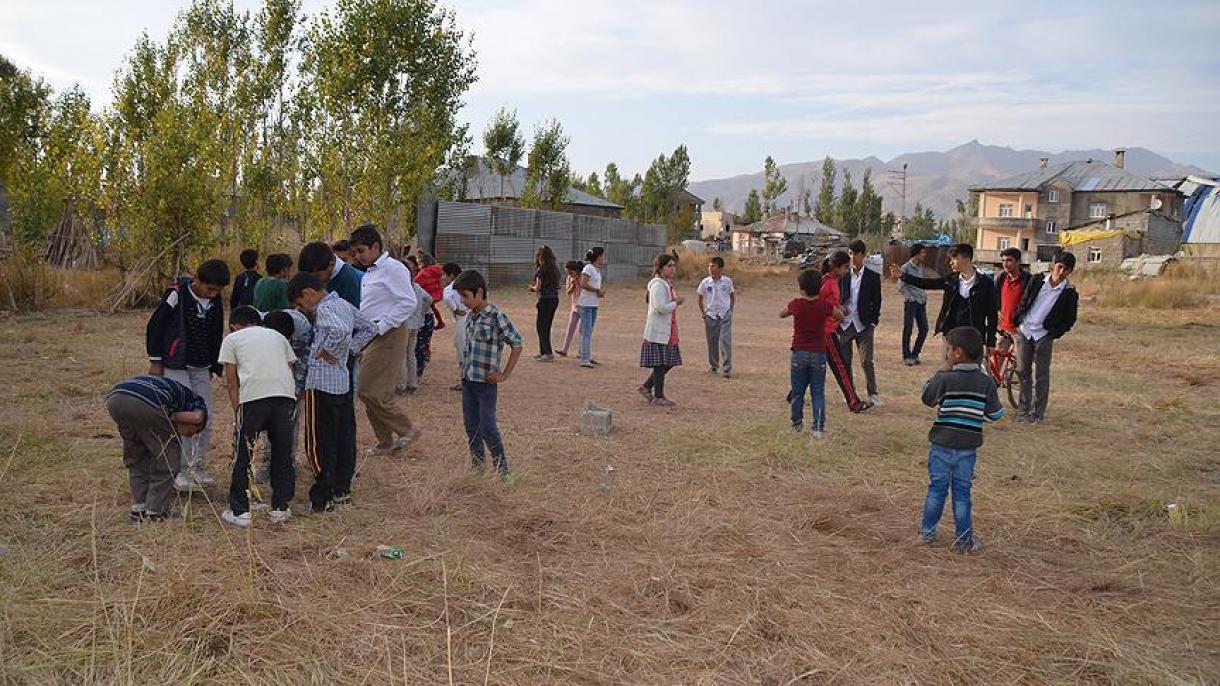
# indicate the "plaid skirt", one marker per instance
pixel 660 355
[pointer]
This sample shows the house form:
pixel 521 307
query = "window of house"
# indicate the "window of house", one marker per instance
pixel 1097 210
pixel 1046 253
pixel 1052 195
pixel 1051 226
pixel 1003 243
pixel 1029 211
pixel 1006 209
pixel 1094 255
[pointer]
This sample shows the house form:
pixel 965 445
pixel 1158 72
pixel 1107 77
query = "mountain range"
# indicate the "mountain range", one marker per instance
pixel 936 179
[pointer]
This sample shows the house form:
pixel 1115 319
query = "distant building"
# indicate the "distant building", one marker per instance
pixel 1105 243
pixel 1200 216
pixel 717 225
pixel 767 238
pixel 1029 211
pixel 485 186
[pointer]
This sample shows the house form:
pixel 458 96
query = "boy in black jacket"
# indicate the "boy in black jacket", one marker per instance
pixel 243 285
pixel 183 343
pixel 860 295
pixel 970 297
pixel 1047 311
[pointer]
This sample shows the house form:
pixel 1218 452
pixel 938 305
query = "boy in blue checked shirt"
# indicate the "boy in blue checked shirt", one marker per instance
pixel 965 397
pixel 339 331
pixel 488 330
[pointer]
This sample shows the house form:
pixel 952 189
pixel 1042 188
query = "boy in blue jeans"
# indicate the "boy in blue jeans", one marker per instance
pixel 809 313
pixel 966 398
pixel 488 330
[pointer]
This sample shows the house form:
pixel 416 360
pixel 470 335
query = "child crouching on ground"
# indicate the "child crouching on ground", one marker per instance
pixel 340 331
pixel 152 412
pixel 965 396
pixel 258 372
pixel 809 314
pixel 488 330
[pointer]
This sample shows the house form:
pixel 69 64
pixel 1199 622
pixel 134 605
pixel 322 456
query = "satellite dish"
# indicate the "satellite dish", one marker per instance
pixel 1156 203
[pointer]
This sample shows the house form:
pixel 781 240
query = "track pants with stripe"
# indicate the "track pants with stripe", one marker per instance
pixel 273 415
pixel 836 361
pixel 330 444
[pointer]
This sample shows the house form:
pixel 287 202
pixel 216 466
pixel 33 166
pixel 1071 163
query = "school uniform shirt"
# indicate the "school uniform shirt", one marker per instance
pixel 453 300
pixel 342 331
pixel 809 324
pixel 161 393
pixel 1033 325
pixel 387 295
pixel 264 363
pixel 345 280
pixel 591 298
pixel 717 296
pixel 487 332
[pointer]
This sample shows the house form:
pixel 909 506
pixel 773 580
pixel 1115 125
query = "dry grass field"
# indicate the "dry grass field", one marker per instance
pixel 704 544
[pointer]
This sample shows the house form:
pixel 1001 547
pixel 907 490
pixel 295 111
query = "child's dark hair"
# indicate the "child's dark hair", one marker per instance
pixel 341 246
pixel 718 261
pixel 426 259
pixel 367 235
pixel 470 281
pixel 595 253
pixel 214 273
pixel 281 322
pixel 451 269
pixel 411 260
pixel 248 258
pixel 1066 259
pixel 839 258
pixel 809 281
pixel 574 266
pixel 968 339
pixel 315 257
pixel 962 250
pixel 662 261
pixel 916 249
pixel 301 281
pixel 278 263
pixel 1014 253
pixel 245 316
pixel 857 247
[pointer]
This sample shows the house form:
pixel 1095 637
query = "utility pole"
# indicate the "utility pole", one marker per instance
pixel 897 182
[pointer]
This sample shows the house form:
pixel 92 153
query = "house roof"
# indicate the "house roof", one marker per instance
pixel 1085 176
pixel 688 198
pixel 792 225
pixel 484 183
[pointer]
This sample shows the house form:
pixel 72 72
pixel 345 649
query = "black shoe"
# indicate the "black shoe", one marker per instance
pixel 328 507
pixel 345 499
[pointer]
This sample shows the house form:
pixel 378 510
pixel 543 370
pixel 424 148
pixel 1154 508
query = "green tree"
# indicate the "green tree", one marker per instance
pixel 503 143
pixel 921 223
pixel 847 211
pixel 774 185
pixel 825 208
pixel 717 204
pixel 753 209
pixel 869 204
pixel 548 175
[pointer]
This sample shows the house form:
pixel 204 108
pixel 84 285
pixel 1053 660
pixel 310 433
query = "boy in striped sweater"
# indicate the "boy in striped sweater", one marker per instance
pixel 965 398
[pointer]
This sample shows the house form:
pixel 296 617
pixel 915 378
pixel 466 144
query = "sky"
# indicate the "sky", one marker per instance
pixel 798 80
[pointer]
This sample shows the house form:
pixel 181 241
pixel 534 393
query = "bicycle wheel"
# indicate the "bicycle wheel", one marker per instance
pixel 1011 383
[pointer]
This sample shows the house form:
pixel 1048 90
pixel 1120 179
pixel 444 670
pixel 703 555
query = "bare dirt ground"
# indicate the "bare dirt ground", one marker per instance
pixel 704 544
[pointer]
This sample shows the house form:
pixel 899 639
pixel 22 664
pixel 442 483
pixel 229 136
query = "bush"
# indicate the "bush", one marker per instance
pixel 27 284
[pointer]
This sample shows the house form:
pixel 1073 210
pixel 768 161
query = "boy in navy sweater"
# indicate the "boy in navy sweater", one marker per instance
pixel 965 397
pixel 243 285
pixel 183 343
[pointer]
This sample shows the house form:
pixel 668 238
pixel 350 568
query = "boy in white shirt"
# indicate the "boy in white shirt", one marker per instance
pixel 262 391
pixel 716 301
pixel 453 300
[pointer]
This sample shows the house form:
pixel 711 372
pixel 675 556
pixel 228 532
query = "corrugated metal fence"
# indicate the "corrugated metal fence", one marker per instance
pixel 500 241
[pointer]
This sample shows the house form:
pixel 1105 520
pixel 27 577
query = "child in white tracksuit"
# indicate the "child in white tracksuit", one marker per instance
pixel 454 302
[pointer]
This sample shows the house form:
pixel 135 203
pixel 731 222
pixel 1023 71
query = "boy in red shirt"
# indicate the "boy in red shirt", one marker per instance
pixel 834 269
pixel 1010 284
pixel 810 316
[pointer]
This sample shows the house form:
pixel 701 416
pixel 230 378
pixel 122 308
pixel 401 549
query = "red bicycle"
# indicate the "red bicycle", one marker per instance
pixel 1003 367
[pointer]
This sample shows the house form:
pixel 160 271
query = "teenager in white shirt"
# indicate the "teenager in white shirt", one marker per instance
pixel 717 298
pixel 591 294
pixel 1047 312
pixel 387 296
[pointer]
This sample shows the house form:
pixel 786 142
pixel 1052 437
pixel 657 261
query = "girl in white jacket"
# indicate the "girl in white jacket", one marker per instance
pixel 659 351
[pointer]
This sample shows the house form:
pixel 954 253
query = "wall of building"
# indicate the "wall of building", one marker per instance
pixel 989 203
pixel 716 223
pixel 585 210
pixel 1122 203
pixel 988 239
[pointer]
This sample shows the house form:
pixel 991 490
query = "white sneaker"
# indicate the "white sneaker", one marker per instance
pixel 819 435
pixel 242 520
pixel 875 400
pixel 281 516
pixel 185 484
pixel 203 477
pixel 406 441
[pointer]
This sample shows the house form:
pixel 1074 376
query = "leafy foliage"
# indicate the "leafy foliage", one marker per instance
pixel 548 175
pixel 774 185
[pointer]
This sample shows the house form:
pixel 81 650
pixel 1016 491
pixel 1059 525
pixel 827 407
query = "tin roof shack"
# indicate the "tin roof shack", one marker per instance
pixel 1105 243
pixel 769 236
pixel 1201 216
pixel 486 187
pixel 1028 211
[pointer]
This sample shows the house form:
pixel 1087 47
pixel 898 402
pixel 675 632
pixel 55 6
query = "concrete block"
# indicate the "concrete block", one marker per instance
pixel 596 420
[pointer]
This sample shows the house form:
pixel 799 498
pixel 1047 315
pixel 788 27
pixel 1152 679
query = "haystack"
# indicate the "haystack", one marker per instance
pixel 69 245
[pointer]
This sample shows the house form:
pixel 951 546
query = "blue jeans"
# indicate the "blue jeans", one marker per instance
pixel 949 467
pixel 479 417
pixel 588 317
pixel 809 371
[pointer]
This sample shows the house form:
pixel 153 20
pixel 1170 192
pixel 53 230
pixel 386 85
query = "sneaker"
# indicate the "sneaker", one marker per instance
pixel 928 538
pixel 239 520
pixel 588 364
pixel 797 428
pixel 863 406
pixel 162 516
pixel 915 360
pixel 544 358
pixel 643 390
pixel 345 499
pixel 663 402
pixel 973 547
pixel 137 513
pixel 379 450
pixel 819 434
pixel 874 399
pixel 456 387
pixel 909 361
pixel 204 478
pixel 728 375
pixel 185 484
pixel 561 353
pixel 712 371
pixel 328 507
pixel 281 516
pixel 403 442
pixel 595 363
pixel 478 465
pixel 1019 418
pixel 507 478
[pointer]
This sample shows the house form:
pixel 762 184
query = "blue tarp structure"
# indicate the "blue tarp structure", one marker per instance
pixel 942 240
pixel 1201 214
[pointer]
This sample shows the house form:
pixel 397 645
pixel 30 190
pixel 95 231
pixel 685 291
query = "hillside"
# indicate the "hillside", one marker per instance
pixel 936 179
